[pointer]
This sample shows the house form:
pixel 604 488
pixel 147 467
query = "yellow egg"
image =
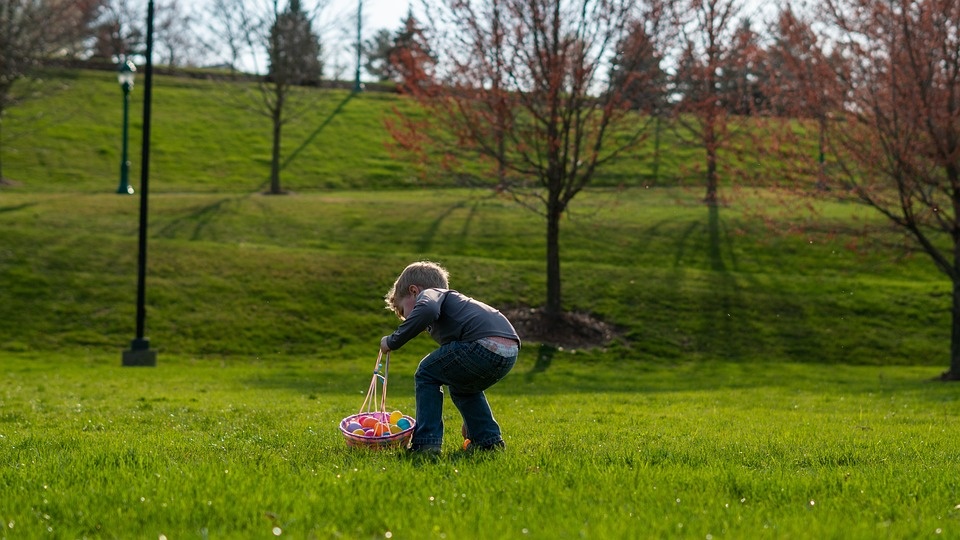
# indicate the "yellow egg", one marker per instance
pixel 394 416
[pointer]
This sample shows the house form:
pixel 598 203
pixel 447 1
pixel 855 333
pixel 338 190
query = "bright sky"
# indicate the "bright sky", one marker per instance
pixel 337 25
pixel 340 20
pixel 377 14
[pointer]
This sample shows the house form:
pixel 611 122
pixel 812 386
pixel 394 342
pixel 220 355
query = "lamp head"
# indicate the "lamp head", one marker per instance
pixel 125 74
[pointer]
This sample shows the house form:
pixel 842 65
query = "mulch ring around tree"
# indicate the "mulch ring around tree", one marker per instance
pixel 571 330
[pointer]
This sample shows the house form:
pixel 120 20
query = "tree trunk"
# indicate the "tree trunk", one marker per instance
pixel 822 158
pixel 953 374
pixel 554 212
pixel 710 199
pixel 275 188
pixel 710 143
pixel 1 148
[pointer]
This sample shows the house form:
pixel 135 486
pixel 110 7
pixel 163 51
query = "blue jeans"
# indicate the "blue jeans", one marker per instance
pixel 467 369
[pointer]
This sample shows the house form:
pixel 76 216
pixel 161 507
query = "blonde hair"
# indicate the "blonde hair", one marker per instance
pixel 423 274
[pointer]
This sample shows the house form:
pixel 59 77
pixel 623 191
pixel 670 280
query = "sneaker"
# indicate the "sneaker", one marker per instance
pixel 469 446
pixel 423 450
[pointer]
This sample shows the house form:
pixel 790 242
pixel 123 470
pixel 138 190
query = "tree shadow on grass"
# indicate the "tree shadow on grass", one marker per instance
pixel 545 354
pixel 16 208
pixel 323 125
pixel 726 322
pixel 425 245
pixel 568 374
pixel 198 221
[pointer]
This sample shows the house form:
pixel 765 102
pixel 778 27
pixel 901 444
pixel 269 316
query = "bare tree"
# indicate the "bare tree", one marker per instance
pixel 294 59
pixel 33 33
pixel 175 30
pixel 287 40
pixel 803 87
pixel 710 40
pixel 231 24
pixel 524 84
pixel 899 140
pixel 119 33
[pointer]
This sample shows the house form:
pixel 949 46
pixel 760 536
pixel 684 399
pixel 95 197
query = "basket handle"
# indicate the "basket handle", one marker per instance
pixel 386 372
pixel 383 361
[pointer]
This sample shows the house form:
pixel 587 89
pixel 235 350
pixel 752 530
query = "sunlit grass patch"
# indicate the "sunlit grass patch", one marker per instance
pixel 252 449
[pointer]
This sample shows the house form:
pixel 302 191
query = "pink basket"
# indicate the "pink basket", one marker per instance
pixel 377 384
pixel 401 440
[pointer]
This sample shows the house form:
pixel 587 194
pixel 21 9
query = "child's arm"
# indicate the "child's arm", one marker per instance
pixel 423 314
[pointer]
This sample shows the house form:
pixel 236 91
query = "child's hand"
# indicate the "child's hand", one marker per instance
pixel 383 345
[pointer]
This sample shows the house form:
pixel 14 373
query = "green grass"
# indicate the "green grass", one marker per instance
pixel 764 385
pixel 237 448
pixel 210 136
pixel 205 136
pixel 261 276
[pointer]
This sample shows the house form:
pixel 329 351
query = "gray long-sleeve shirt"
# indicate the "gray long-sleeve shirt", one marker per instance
pixel 450 316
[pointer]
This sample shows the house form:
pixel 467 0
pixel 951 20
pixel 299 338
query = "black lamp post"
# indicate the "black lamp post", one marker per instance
pixel 125 77
pixel 140 353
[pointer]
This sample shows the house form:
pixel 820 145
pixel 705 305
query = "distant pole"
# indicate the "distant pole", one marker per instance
pixel 140 353
pixel 125 77
pixel 357 85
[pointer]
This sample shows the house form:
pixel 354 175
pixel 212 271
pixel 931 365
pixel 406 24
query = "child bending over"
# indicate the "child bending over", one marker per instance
pixel 478 347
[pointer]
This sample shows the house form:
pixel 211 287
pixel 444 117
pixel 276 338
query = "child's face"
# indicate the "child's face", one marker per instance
pixel 406 303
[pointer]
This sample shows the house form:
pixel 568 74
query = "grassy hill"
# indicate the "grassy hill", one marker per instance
pixel 232 272
pixel 210 136
pixel 206 136
pixel 263 276
pixel 729 405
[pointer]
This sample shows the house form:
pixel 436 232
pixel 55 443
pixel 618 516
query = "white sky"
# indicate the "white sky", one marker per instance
pixel 337 25
pixel 376 13
pixel 340 26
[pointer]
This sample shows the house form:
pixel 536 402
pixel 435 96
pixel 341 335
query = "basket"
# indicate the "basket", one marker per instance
pixel 401 440
pixel 378 384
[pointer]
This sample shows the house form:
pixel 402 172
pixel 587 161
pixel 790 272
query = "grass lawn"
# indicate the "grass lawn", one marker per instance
pixel 257 276
pixel 246 449
pixel 763 384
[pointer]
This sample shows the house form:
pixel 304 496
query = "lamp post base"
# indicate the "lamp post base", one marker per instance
pixel 140 354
